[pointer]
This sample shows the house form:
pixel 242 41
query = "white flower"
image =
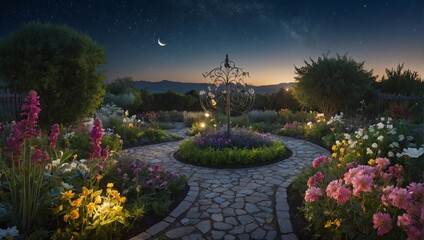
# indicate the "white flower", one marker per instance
pixel 380 138
pixel 374 145
pixel 413 152
pixel 409 138
pixel 213 102
pixel 398 155
pixel 380 125
pixel 390 154
pixel 56 162
pixel 401 137
pixel 389 126
pixel 201 93
pixel 382 119
pixel 66 186
pixel 347 136
pixel 211 95
pixel 320 115
pixel 309 124
pixel 389 119
pixel 395 144
pixel 338 142
pixel 369 151
pixel 69 135
pixel 365 137
pixel 9 233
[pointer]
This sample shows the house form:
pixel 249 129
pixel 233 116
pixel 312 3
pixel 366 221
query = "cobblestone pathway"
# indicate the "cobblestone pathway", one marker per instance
pixel 248 203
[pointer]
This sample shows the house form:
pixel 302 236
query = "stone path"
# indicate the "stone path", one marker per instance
pixel 248 203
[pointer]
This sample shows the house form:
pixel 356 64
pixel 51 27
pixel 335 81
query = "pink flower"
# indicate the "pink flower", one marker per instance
pixel 361 183
pixel 54 134
pixel 315 178
pixel 158 168
pixel 343 195
pixel 405 220
pixel 312 194
pixel 30 111
pixel 96 135
pixel 382 163
pixel 105 153
pixel 39 156
pixel 338 192
pixel 385 196
pixel 317 161
pixel 333 188
pixel 399 197
pixel 382 223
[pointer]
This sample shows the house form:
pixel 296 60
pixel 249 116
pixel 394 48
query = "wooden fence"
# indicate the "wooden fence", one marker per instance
pixel 10 104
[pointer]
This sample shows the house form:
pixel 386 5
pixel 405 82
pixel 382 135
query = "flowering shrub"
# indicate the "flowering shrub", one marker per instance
pixel 91 214
pixel 362 201
pixel 146 185
pixel 215 148
pixel 366 188
pixel 268 116
pixel 239 138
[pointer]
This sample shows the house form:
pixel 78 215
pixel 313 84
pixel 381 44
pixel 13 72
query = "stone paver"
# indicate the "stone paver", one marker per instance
pixel 248 203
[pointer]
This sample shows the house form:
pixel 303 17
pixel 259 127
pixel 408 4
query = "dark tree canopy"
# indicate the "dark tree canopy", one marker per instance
pixel 401 81
pixel 60 64
pixel 332 84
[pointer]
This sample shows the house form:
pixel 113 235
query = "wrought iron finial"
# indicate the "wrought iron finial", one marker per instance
pixel 227 62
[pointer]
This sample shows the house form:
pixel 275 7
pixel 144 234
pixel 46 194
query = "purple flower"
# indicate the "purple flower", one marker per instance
pixel 54 134
pixel 96 135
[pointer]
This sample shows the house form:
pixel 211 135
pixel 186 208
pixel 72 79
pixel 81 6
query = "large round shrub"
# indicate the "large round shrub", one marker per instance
pixel 331 85
pixel 242 148
pixel 60 64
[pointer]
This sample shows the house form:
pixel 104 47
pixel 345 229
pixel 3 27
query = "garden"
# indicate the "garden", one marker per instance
pixel 68 168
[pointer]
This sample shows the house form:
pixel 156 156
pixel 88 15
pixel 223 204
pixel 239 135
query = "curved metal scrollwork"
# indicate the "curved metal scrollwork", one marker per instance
pixel 227 91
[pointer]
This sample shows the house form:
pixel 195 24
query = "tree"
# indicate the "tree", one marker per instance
pixel 331 85
pixel 400 81
pixel 60 64
pixel 123 93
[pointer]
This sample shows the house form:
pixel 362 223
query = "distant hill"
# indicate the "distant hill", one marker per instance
pixel 180 87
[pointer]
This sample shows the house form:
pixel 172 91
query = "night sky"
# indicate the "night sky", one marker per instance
pixel 266 38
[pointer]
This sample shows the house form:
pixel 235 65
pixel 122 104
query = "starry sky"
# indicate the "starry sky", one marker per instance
pixel 267 38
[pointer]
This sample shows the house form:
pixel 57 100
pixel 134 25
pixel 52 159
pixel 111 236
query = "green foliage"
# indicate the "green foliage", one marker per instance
pixel 190 152
pixel 123 93
pixel 331 85
pixel 288 116
pixel 60 64
pixel 401 81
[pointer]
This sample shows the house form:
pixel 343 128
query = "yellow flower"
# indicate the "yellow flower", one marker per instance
pixel 110 185
pixel 90 208
pixel 123 199
pixel 98 200
pixel 116 194
pixel 126 113
pixel 58 209
pixel 339 165
pixel 334 147
pixel 342 150
pixel 77 202
pixel 65 217
pixel 341 159
pixel 130 125
pixel 328 224
pixel 334 155
pixel 86 191
pixel 75 156
pixel 74 214
pixel 371 162
pixel 358 154
pixel 68 194
pixel 118 208
pixel 337 222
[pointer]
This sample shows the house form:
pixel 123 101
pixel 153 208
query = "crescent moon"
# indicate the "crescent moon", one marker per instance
pixel 161 43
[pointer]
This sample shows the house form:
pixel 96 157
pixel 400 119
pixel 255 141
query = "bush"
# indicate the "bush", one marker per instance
pixel 60 64
pixel 332 85
pixel 268 116
pixel 243 147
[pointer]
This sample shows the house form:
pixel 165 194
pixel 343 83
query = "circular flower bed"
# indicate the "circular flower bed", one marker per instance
pixel 243 147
